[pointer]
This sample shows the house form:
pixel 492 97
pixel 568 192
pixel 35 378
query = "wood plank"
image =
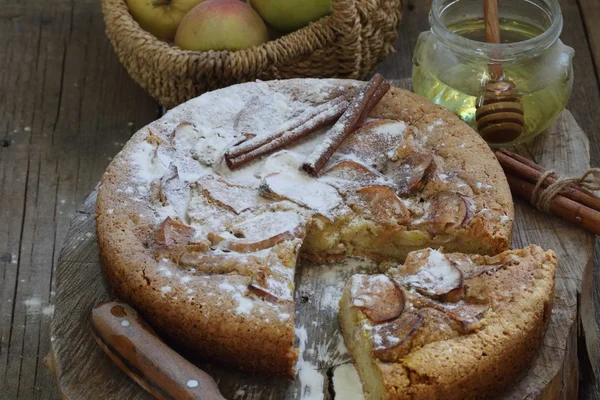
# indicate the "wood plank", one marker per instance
pixel 414 21
pixel 584 103
pixel 591 390
pixel 590 11
pixel 58 81
pixel 585 99
pixel 560 151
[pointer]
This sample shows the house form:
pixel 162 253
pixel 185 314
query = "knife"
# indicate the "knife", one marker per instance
pixel 134 346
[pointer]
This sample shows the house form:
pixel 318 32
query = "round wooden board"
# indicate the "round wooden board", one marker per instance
pixel 83 371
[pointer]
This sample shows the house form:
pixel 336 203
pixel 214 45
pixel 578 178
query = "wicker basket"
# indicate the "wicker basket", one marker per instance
pixel 346 44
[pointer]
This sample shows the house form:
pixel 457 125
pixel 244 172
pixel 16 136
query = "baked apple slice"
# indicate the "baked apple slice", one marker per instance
pixel 174 191
pixel 172 233
pixel 348 175
pixel 302 190
pixel 377 297
pixel 165 153
pixel 261 232
pixel 412 331
pixel 444 181
pixel 445 211
pixel 351 171
pixel 184 137
pixel 274 291
pixel 412 173
pixel 374 142
pixel 383 205
pixel 232 197
pixel 393 338
pixel 429 272
pixel 220 263
pixel 467 314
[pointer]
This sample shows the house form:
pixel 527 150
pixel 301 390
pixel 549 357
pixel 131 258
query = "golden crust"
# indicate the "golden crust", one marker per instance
pixel 462 150
pixel 189 324
pixel 186 314
pixel 481 363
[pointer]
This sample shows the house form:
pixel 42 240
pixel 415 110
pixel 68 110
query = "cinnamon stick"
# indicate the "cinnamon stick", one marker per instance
pixel 374 100
pixel 522 167
pixel 360 107
pixel 524 160
pixel 585 217
pixel 274 143
pixel 303 120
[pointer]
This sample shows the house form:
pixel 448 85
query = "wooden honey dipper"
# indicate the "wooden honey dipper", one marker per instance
pixel 499 113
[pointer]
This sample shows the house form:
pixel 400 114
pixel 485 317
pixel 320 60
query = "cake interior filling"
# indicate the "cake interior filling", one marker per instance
pixel 359 345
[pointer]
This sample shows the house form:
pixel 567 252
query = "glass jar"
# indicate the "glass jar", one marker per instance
pixel 451 62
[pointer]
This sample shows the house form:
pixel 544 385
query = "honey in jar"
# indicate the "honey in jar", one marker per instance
pixel 450 62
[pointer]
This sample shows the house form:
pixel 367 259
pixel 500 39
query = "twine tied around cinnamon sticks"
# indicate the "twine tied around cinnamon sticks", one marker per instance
pixel 541 197
pixel 570 198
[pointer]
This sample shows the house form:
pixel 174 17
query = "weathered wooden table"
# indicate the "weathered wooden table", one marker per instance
pixel 68 106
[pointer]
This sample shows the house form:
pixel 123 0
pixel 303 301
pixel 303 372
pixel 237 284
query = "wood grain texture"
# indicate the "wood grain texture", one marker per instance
pixel 59 126
pixel 586 91
pixel 590 11
pixel 59 78
pixel 585 96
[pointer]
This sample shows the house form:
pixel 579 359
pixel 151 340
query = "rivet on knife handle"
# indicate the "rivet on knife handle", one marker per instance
pixel 136 349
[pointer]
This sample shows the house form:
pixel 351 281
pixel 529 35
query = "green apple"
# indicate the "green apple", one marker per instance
pixel 221 25
pixel 160 17
pixel 289 15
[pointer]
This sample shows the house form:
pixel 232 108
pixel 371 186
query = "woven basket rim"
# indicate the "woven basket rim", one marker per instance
pixel 345 44
pixel 120 7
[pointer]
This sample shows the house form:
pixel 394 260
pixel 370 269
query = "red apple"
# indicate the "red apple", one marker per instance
pixel 221 25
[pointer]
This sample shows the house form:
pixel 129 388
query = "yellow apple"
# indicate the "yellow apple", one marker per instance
pixel 221 25
pixel 289 15
pixel 160 17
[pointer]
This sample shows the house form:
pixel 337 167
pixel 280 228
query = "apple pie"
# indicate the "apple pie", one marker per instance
pixel 206 248
pixel 447 326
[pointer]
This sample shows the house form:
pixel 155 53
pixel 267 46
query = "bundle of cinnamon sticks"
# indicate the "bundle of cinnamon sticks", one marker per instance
pixel 573 203
pixel 349 116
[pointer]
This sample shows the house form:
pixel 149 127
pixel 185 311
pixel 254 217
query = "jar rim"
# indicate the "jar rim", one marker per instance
pixel 498 51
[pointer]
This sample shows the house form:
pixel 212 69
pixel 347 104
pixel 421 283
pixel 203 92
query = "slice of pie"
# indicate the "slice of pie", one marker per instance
pixel 448 326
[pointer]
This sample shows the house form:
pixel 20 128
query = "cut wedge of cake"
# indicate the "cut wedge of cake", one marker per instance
pixel 448 326
pixel 208 254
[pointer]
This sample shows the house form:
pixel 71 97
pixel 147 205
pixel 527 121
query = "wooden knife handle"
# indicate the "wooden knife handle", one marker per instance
pixel 134 346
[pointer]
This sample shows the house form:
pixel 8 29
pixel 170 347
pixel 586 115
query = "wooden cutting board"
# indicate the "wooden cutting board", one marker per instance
pixel 83 371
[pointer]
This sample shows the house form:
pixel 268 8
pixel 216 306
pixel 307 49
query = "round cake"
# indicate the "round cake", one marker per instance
pixel 206 246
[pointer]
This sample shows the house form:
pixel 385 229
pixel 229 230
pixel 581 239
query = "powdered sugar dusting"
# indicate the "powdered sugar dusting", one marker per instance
pixel 226 286
pixel 433 273
pixel 311 380
pixel 148 167
pixel 244 304
pixel 346 383
pixel 166 289
pixel 268 225
pixel 300 188
pixel 365 288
